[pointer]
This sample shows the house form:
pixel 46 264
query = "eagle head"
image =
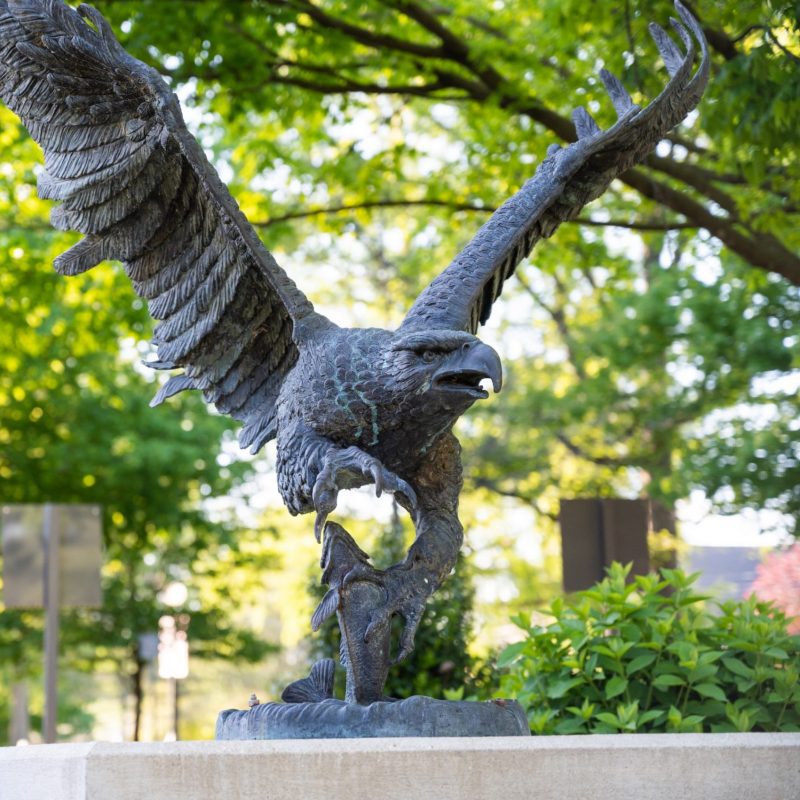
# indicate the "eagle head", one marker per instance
pixel 442 370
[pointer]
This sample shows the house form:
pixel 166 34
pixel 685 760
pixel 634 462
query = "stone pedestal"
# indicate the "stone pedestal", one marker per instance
pixel 614 767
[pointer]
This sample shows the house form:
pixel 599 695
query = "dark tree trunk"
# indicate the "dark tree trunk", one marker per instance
pixel 138 696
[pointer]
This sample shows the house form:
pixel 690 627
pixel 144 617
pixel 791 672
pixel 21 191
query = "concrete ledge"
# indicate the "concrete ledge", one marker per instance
pixel 639 767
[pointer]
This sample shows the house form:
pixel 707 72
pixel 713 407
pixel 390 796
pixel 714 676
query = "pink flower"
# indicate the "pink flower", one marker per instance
pixel 778 579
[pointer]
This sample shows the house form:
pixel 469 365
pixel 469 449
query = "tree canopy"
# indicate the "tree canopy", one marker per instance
pixel 486 81
pixel 653 342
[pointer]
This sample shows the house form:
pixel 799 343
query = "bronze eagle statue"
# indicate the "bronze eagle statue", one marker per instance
pixel 348 406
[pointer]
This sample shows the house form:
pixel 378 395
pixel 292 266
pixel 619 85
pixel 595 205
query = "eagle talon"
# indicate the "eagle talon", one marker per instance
pixel 405 489
pixel 319 526
pixel 324 496
pixel 411 611
pixel 412 617
pixel 347 468
pixel 377 477
pixel 404 596
pixel 387 481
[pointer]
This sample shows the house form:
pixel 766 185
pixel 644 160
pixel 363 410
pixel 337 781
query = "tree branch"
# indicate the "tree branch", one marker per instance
pixel 676 139
pixel 347 85
pixel 477 23
pixel 452 47
pixel 492 486
pixel 770 36
pixel 695 177
pixel 453 205
pixel 764 250
pixel 369 204
pixel 637 226
pixel 378 41
pixel 276 60
pixel 758 248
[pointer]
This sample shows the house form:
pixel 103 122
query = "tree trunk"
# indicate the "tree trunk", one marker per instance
pixel 138 696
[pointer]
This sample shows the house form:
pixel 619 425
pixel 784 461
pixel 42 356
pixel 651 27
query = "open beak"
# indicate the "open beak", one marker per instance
pixel 465 369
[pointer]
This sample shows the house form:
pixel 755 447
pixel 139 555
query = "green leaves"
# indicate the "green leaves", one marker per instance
pixel 651 655
pixel 640 662
pixel 627 718
pixel 676 722
pixel 710 690
pixel 510 654
pixel 560 688
pixel 665 681
pixel 616 686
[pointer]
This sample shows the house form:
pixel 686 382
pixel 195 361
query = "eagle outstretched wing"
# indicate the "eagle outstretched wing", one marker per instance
pixel 133 180
pixel 461 297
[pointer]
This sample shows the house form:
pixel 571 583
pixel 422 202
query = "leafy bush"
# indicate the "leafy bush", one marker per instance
pixel 651 655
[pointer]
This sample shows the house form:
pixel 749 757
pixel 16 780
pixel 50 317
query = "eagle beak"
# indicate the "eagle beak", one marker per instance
pixel 482 358
pixel 466 368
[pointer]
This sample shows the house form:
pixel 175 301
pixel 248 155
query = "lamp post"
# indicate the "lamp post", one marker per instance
pixel 173 646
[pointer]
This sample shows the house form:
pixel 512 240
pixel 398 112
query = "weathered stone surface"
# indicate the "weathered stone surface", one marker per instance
pixel 706 766
pixel 335 719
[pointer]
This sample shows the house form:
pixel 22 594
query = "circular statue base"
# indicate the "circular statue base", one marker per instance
pixel 336 719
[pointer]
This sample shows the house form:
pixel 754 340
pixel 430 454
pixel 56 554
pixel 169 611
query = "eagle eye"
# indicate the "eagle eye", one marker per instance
pixel 428 356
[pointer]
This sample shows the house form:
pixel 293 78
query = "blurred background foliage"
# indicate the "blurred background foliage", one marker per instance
pixel 651 346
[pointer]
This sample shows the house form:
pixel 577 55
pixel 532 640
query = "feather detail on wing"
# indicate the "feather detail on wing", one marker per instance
pixel 461 297
pixel 131 178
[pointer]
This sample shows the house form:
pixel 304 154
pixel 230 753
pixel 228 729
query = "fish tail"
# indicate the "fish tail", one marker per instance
pixel 318 686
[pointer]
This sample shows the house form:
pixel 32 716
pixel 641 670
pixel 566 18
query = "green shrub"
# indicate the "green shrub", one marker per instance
pixel 651 655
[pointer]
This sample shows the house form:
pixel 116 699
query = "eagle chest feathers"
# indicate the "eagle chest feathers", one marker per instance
pixel 392 395
pixel 349 395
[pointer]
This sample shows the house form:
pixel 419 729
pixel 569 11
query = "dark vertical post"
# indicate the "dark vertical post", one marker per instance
pixel 602 544
pixel 662 518
pixel 582 544
pixel 597 531
pixel 625 527
pixel 51 604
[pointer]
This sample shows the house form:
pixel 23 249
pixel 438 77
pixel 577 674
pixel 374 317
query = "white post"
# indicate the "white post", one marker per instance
pixel 51 605
pixel 20 720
